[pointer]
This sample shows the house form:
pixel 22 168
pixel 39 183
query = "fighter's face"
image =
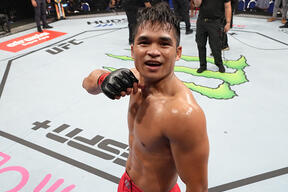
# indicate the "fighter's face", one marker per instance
pixel 154 52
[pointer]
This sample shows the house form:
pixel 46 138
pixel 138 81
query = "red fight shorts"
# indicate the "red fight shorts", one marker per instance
pixel 126 185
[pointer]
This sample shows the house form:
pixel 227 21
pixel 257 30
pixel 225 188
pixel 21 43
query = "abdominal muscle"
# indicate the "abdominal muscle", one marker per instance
pixel 151 172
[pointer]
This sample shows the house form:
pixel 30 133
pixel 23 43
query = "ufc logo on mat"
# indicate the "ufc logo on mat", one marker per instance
pixel 62 47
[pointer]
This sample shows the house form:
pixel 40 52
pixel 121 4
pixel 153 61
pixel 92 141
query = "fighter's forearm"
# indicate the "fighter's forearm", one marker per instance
pixel 90 83
pixel 197 3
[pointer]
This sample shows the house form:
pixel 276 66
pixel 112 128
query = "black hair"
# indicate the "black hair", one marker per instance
pixel 159 15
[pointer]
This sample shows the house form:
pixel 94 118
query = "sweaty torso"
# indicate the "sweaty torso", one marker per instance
pixel 150 164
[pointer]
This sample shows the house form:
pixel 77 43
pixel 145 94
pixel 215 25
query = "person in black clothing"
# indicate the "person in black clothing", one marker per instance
pixel 154 2
pixel 4 22
pixel 285 25
pixel 225 46
pixel 131 8
pixel 181 9
pixel 40 13
pixel 209 25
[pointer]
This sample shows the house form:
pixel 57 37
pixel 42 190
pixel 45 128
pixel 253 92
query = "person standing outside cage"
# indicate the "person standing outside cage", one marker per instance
pixel 181 8
pixel 225 46
pixel 167 128
pixel 276 8
pixel 131 8
pixel 60 13
pixel 40 14
pixel 285 25
pixel 210 26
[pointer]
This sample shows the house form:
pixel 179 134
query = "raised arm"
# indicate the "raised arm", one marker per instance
pixel 114 85
pixel 90 83
pixel 190 149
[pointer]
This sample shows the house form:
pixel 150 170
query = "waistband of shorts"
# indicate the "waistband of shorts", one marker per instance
pixel 129 182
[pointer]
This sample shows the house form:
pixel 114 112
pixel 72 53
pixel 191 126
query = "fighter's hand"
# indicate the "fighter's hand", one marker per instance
pixel 34 3
pixel 48 1
pixel 119 83
pixel 227 27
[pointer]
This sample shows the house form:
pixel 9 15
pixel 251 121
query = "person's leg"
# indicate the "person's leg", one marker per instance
pixel 43 12
pixel 131 14
pixel 185 6
pixel 223 36
pixel 224 43
pixel 37 16
pixel 43 16
pixel 275 10
pixel 57 11
pixel 176 7
pixel 201 39
pixel 214 33
pixel 284 11
pixel 285 25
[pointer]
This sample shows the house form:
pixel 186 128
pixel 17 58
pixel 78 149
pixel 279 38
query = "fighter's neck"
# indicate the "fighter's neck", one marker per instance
pixel 165 86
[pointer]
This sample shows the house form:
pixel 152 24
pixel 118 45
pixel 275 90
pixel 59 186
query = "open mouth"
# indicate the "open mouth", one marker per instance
pixel 153 64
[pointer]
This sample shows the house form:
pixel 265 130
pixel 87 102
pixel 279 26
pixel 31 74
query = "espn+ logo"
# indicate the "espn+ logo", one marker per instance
pixel 99 146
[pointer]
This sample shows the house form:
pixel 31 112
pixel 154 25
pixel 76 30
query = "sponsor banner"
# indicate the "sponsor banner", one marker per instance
pixel 30 40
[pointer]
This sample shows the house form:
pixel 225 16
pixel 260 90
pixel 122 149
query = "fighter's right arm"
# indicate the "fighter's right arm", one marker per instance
pixel 90 83
pixel 197 3
pixel 114 85
pixel 34 3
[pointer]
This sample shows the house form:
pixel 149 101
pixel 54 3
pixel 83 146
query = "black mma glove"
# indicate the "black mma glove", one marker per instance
pixel 113 83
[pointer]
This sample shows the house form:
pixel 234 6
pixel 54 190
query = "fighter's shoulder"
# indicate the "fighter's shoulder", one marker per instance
pixel 184 109
pixel 184 119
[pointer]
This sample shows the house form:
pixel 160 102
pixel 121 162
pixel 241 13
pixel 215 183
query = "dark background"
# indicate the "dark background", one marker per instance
pixel 22 9
pixel 17 9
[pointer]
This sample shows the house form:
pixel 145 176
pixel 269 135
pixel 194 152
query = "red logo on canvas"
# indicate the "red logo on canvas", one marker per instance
pixel 30 40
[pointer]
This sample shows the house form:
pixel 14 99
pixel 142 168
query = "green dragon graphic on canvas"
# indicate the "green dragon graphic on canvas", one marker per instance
pixel 228 79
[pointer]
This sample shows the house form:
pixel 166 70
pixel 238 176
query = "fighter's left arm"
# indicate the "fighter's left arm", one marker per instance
pixel 190 148
pixel 228 15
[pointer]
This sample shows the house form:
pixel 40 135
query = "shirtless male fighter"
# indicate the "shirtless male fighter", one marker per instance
pixel 167 128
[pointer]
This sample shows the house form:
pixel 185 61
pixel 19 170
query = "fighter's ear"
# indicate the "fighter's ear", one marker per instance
pixel 178 52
